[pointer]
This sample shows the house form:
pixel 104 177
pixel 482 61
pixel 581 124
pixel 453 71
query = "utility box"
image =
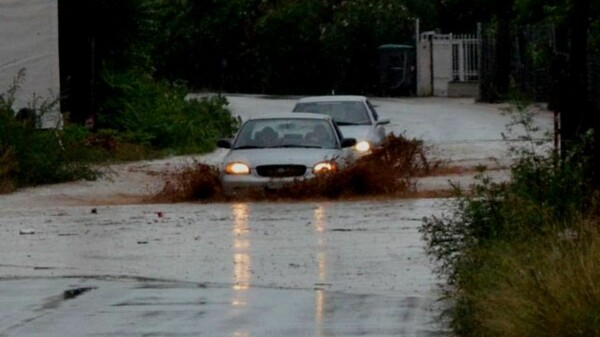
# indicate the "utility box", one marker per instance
pixel 397 69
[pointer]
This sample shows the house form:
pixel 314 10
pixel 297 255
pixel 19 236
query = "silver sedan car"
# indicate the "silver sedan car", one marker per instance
pixel 355 116
pixel 269 152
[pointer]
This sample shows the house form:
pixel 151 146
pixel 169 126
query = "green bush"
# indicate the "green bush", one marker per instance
pixel 30 155
pixel 157 114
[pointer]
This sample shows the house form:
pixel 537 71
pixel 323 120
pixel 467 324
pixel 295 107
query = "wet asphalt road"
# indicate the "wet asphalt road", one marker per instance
pixel 247 269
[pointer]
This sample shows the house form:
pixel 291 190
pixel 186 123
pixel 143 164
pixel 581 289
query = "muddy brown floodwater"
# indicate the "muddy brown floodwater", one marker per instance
pixel 90 259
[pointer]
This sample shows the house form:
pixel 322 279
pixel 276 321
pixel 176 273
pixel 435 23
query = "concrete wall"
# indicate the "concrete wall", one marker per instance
pixel 29 36
pixel 442 66
pixel 463 89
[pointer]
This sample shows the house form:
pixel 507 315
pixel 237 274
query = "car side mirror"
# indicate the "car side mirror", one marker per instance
pixel 383 121
pixel 224 143
pixel 348 142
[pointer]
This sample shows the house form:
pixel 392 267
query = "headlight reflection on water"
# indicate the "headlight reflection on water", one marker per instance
pixel 319 219
pixel 241 253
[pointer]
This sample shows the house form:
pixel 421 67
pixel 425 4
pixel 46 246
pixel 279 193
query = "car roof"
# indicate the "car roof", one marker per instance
pixel 296 115
pixel 332 98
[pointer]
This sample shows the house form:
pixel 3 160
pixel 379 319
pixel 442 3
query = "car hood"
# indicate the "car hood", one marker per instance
pixel 282 156
pixel 359 132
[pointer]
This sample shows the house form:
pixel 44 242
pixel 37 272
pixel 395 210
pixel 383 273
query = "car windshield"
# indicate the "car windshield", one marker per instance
pixel 343 113
pixel 279 132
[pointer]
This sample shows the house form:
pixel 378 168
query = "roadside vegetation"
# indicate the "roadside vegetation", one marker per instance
pixel 146 120
pixel 155 118
pixel 522 258
pixel 30 155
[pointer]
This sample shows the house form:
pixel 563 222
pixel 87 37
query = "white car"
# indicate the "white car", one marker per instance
pixel 355 116
pixel 269 152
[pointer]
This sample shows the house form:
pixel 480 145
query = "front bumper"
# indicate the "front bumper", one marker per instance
pixel 242 184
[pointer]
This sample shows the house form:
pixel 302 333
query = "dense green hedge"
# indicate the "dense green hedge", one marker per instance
pixel 157 114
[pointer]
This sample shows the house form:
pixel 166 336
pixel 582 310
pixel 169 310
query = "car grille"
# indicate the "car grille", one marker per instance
pixel 280 171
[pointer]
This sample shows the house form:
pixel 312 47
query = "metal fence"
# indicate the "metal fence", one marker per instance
pixel 465 58
pixel 533 50
pixel 530 64
pixel 594 79
pixel 539 60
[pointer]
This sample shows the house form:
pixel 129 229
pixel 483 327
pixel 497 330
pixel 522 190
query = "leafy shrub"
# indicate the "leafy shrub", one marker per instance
pixel 156 114
pixel 31 156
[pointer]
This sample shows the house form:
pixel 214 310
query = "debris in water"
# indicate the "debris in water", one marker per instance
pixel 72 293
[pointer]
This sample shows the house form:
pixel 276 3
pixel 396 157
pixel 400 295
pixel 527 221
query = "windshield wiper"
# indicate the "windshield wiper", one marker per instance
pixel 301 146
pixel 346 123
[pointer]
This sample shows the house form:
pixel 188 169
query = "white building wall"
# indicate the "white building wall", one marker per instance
pixel 29 41
pixel 424 85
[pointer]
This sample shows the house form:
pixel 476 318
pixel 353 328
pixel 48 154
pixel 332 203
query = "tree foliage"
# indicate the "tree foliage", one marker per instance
pixel 263 46
pixel 286 46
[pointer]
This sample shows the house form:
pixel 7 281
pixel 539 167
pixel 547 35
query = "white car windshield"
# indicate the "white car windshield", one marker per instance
pixel 278 132
pixel 343 113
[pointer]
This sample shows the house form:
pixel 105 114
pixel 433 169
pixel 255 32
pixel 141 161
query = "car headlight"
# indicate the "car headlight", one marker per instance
pixel 325 167
pixel 237 168
pixel 362 146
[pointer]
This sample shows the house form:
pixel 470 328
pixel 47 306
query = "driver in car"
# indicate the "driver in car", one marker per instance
pixel 267 137
pixel 318 136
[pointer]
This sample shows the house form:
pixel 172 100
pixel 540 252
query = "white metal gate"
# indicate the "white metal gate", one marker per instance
pixel 444 59
pixel 465 58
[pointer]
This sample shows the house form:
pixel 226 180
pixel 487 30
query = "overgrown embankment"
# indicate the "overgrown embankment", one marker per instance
pixel 522 258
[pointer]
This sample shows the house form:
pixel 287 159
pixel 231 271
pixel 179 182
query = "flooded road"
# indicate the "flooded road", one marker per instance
pixel 246 269
pixel 76 259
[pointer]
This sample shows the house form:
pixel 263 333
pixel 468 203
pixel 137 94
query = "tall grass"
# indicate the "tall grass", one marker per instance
pixel 520 258
pixel 545 287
